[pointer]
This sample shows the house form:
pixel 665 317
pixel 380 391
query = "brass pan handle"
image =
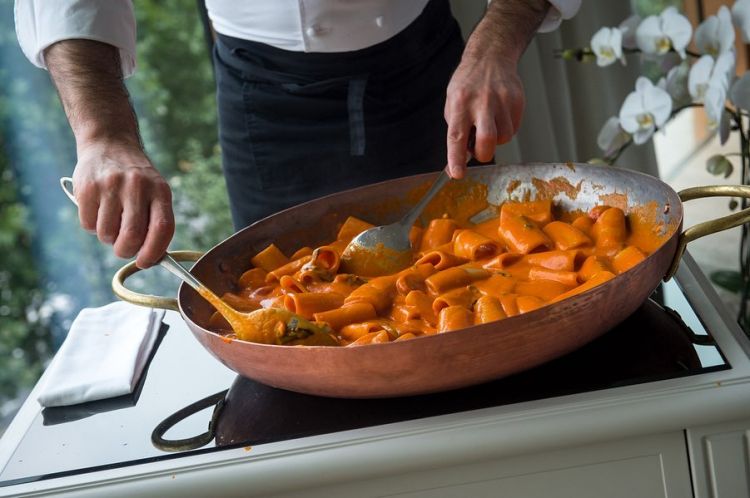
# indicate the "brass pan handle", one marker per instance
pixel 711 226
pixel 148 300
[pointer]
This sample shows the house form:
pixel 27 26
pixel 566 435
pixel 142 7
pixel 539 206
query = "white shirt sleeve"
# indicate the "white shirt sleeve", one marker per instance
pixel 559 11
pixel 40 23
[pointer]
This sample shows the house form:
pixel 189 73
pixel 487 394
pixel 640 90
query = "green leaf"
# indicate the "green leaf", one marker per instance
pixel 728 279
pixel 719 165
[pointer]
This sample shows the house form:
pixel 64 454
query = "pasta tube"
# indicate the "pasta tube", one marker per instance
pixel 592 265
pixel 540 212
pixel 584 224
pixel 609 231
pixel 528 303
pixel 351 228
pixel 521 234
pixel 554 260
pixel 308 303
pixel 349 313
pixel 254 277
pixel 543 289
pixel 471 245
pixel 454 318
pixel 627 258
pixel 488 309
pixel 569 278
pixel 463 296
pixel 565 236
pixel 438 232
pixel 440 260
pixel 378 292
pixel 421 303
pixel 597 279
pixel 451 278
pixel 269 258
pixel 287 269
pixel 496 285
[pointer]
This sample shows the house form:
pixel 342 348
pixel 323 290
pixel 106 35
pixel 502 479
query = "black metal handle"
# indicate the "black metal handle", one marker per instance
pixel 191 443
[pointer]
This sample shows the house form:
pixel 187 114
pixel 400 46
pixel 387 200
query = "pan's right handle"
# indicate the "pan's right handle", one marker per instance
pixel 712 226
pixel 148 300
pixel 157 436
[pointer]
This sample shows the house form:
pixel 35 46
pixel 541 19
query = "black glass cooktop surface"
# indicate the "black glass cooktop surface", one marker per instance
pixel 652 344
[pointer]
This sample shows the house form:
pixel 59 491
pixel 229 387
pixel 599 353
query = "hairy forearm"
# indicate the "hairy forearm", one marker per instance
pixel 89 80
pixel 506 28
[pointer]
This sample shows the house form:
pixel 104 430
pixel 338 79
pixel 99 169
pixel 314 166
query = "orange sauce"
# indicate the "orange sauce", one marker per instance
pixel 532 254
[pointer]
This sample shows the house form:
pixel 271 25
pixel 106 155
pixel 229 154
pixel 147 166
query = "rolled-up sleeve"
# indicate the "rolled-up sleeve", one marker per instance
pixel 40 23
pixel 558 12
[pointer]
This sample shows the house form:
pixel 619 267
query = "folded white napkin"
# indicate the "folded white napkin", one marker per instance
pixel 103 355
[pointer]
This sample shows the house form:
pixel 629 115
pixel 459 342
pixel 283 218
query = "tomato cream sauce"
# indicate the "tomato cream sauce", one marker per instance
pixel 529 255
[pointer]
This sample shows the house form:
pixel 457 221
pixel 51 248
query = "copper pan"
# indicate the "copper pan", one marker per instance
pixel 459 358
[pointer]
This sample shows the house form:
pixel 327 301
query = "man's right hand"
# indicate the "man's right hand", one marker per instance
pixel 124 200
pixel 121 197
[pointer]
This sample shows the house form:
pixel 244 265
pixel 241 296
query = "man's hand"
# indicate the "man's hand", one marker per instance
pixel 485 95
pixel 121 197
pixel 124 201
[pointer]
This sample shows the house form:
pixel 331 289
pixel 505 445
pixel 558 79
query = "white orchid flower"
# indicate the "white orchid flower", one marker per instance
pixel 612 137
pixel 708 83
pixel 739 93
pixel 607 45
pixel 741 18
pixel 668 30
pixel 628 28
pixel 645 109
pixel 715 35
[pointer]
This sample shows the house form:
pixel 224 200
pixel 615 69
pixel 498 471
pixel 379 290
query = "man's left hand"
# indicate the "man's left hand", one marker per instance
pixel 484 97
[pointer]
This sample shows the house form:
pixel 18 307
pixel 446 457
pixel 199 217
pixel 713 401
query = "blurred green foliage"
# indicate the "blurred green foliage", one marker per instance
pixel 24 338
pixel 646 8
pixel 49 267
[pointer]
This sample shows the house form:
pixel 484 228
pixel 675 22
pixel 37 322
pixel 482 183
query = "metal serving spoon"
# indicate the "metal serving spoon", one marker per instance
pixel 386 249
pixel 256 326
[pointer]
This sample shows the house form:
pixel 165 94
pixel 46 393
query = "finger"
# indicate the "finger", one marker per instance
pixel 504 126
pixel 87 198
pixel 486 139
pixel 133 228
pixel 517 111
pixel 108 219
pixel 458 140
pixel 160 232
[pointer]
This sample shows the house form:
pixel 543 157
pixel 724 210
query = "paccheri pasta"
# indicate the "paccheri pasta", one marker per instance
pixel 463 274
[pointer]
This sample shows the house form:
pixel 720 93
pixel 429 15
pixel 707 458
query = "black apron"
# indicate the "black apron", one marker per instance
pixel 294 126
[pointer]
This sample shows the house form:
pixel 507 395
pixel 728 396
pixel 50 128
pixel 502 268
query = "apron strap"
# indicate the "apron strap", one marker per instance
pixel 355 104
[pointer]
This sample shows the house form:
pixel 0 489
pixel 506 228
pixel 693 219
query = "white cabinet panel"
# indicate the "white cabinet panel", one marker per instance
pixel 640 476
pixel 720 460
pixel 644 467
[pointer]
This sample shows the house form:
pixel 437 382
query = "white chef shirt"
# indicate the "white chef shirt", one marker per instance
pixel 297 25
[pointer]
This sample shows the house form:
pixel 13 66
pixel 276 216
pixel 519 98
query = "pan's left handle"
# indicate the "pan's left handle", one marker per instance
pixel 712 226
pixel 191 443
pixel 148 300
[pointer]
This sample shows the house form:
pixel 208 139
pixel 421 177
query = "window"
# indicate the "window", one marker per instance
pixel 49 267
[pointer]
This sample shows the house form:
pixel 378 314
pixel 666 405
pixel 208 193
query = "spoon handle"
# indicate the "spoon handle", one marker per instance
pixel 168 262
pixel 414 213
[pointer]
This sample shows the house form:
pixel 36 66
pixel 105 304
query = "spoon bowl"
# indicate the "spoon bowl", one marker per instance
pixel 386 249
